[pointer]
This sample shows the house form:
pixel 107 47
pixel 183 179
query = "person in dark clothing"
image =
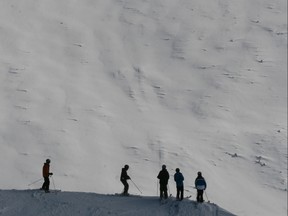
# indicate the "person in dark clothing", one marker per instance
pixel 163 177
pixel 200 185
pixel 123 178
pixel 178 177
pixel 46 173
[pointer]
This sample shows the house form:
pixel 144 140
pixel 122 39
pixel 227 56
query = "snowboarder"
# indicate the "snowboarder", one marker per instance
pixel 179 178
pixel 163 177
pixel 46 173
pixel 200 185
pixel 123 178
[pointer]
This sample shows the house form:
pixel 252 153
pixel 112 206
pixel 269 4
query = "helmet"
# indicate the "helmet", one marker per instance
pixel 177 170
pixel 48 161
pixel 126 166
pixel 199 173
pixel 163 166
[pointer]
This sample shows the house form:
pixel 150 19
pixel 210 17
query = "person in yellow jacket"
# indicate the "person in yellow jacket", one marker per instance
pixel 46 173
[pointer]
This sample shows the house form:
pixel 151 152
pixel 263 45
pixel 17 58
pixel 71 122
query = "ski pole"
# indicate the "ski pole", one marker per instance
pixel 157 187
pixel 169 190
pixel 206 195
pixel 35 182
pixel 136 186
pixel 53 182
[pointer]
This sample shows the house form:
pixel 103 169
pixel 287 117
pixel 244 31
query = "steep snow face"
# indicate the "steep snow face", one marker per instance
pixel 37 203
pixel 199 85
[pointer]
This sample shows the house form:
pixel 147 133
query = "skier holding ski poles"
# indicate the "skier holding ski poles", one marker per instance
pixel 163 177
pixel 178 177
pixel 46 173
pixel 123 178
pixel 200 185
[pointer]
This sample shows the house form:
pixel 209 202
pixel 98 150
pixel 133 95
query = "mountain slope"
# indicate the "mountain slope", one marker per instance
pixel 94 85
pixel 38 203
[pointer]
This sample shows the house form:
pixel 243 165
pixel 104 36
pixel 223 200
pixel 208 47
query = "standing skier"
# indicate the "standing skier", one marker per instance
pixel 163 177
pixel 46 173
pixel 123 178
pixel 200 185
pixel 178 177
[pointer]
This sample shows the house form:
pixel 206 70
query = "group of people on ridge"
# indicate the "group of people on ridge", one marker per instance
pixel 163 176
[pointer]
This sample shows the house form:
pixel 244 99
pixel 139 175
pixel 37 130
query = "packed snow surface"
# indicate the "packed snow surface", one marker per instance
pixel 32 202
pixel 94 85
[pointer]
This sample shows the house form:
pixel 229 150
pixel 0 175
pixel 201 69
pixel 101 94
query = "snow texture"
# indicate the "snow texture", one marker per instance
pixel 94 85
pixel 33 202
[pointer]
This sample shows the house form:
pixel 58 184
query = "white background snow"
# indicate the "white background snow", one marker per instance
pixel 93 85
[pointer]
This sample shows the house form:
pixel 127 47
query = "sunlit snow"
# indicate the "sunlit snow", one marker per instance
pixel 94 85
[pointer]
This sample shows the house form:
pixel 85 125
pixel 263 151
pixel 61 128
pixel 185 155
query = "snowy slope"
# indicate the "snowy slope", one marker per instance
pixel 73 203
pixel 199 85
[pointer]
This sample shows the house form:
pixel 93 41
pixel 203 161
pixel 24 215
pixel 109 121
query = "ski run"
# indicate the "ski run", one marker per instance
pixel 39 203
pixel 199 85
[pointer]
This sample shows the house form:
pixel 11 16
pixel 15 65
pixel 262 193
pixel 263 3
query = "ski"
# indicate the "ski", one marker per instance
pixel 50 191
pixel 126 195
pixel 54 191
